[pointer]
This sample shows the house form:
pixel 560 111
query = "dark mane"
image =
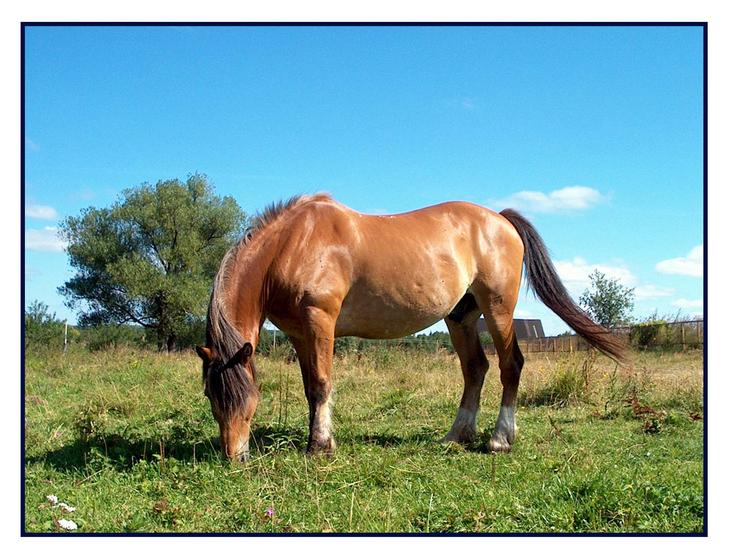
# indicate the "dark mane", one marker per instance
pixel 231 387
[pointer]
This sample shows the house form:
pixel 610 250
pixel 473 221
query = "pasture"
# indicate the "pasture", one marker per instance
pixel 127 437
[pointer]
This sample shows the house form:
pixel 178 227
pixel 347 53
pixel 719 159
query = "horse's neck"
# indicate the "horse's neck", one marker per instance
pixel 247 299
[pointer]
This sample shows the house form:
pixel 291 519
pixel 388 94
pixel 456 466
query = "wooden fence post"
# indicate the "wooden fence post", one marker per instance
pixel 684 343
pixel 700 335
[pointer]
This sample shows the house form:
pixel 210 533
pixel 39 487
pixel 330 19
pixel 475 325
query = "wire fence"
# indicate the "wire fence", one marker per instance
pixel 653 335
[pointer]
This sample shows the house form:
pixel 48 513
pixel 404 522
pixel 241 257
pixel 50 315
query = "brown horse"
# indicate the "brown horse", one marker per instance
pixel 319 270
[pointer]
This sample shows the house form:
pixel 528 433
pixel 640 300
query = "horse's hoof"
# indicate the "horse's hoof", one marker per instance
pixel 326 448
pixel 459 438
pixel 499 445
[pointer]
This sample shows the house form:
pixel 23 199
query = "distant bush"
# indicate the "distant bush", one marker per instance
pixel 42 329
pixel 485 338
pixel 345 345
pixel 649 334
pixel 190 334
pixel 664 333
pixel 112 336
pixel 108 336
pixel 275 344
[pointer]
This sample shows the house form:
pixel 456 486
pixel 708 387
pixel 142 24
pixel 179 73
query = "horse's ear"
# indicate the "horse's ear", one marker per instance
pixel 204 353
pixel 244 354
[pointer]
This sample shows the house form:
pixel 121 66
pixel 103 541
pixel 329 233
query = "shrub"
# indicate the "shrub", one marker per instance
pixel 102 337
pixel 346 345
pixel 42 329
pixel 191 333
pixel 649 334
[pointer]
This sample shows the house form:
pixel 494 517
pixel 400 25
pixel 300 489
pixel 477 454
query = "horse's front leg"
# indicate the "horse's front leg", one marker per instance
pixel 319 339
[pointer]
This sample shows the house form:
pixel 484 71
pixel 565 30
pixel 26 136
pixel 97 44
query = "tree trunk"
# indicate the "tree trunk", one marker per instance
pixel 171 342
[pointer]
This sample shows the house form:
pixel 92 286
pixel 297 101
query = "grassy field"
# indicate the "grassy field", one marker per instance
pixel 127 438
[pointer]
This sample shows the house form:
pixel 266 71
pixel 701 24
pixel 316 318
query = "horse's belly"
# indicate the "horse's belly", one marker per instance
pixel 388 315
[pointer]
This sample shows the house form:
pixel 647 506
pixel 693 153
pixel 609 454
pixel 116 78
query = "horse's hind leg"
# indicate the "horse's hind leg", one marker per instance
pixel 465 338
pixel 497 304
pixel 500 325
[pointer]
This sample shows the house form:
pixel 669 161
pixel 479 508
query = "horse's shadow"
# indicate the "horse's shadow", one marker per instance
pixel 427 439
pixel 123 452
pixel 270 437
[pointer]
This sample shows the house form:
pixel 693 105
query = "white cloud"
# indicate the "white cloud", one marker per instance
pixel 574 274
pixel 41 212
pixel 570 198
pixel 646 292
pixel 690 265
pixel 684 303
pixel 44 240
pixel 523 314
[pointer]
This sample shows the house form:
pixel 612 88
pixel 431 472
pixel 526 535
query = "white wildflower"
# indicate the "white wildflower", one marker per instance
pixel 52 498
pixel 66 508
pixel 67 524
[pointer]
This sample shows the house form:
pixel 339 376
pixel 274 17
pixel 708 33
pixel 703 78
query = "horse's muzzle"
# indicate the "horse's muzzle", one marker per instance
pixel 241 455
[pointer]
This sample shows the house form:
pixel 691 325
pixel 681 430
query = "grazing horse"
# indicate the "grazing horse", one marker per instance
pixel 319 270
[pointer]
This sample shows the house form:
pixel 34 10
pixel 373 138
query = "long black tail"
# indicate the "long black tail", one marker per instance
pixel 544 280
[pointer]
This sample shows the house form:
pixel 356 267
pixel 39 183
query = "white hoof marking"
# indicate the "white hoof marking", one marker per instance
pixel 506 428
pixel 464 428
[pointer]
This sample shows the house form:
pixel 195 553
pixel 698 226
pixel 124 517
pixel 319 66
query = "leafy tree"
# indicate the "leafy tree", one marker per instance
pixel 607 301
pixel 149 258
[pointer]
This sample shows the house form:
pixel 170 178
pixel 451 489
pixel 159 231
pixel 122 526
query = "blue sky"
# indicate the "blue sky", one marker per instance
pixel 595 133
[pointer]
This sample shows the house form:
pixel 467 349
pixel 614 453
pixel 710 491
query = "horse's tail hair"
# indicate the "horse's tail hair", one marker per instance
pixel 543 279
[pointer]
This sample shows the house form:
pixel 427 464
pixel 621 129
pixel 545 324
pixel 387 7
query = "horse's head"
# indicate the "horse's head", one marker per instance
pixel 230 385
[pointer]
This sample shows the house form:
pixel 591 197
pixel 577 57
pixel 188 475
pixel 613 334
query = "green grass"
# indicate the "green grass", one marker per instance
pixel 127 438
